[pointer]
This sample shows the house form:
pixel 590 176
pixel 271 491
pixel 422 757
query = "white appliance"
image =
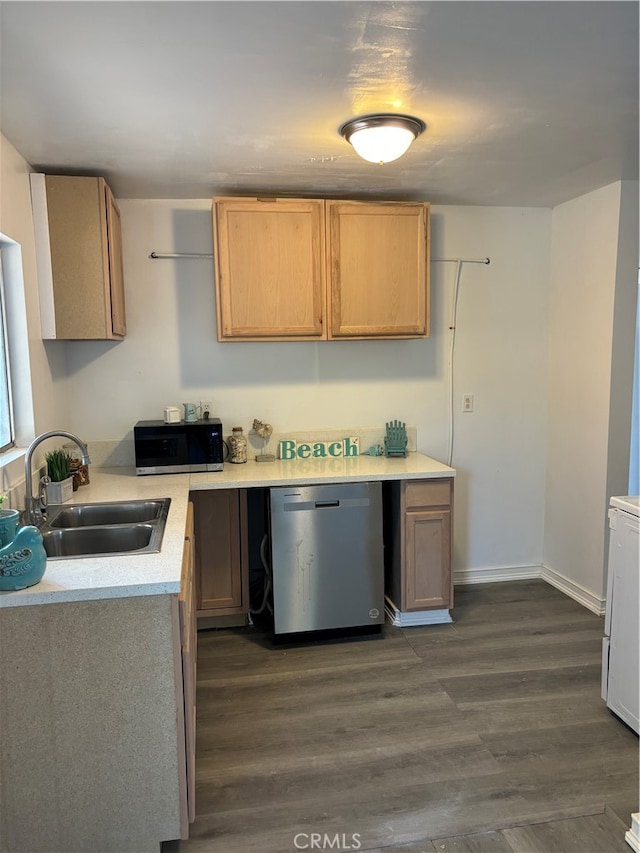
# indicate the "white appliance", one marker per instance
pixel 621 644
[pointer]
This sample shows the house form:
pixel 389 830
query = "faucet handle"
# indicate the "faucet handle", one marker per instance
pixel 42 494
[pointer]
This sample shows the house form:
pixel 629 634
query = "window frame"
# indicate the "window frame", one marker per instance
pixel 17 343
pixel 6 388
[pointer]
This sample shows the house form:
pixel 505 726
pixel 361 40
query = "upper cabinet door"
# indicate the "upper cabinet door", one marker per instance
pixel 269 260
pixel 379 269
pixel 116 275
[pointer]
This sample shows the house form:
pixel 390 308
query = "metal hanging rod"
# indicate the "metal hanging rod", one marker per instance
pixel 465 260
pixel 159 256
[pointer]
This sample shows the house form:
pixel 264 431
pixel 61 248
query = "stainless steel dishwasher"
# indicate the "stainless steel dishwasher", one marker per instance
pixel 326 557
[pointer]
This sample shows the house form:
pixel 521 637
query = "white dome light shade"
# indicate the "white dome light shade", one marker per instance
pixel 382 138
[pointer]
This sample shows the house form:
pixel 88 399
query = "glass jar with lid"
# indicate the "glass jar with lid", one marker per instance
pixel 237 446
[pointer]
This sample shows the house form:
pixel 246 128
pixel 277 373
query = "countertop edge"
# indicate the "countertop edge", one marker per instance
pixel 102 593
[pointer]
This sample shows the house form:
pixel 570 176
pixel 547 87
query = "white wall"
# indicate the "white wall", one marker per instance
pixel 592 322
pixel 171 355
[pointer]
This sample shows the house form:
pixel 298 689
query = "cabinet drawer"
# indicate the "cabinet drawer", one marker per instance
pixel 428 493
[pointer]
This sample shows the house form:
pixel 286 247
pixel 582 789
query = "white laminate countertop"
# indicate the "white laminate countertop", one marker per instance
pixel 91 578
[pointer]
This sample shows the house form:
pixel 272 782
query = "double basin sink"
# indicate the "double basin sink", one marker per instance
pixel 104 529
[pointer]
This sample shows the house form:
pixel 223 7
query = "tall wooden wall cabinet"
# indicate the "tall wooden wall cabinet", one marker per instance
pixel 79 258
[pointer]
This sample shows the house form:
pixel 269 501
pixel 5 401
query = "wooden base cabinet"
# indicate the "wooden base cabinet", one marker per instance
pixel 221 554
pixel 189 651
pixel 418 544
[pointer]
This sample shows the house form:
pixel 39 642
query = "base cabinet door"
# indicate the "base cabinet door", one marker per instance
pixel 427 581
pixel 220 517
pixel 189 649
pixel 418 544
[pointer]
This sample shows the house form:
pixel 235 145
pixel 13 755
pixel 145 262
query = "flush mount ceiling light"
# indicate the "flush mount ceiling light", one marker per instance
pixel 382 137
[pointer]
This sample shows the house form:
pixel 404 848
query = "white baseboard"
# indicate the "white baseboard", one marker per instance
pixel 574 590
pixel 495 574
pixel 416 617
pixel 632 836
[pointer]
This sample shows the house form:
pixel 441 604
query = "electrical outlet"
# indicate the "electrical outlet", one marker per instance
pixel 467 402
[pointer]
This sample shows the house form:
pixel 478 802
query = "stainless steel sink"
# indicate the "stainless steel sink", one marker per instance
pixel 88 515
pixel 105 529
pixel 82 541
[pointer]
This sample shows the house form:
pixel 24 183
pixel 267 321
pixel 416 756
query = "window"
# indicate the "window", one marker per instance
pixel 16 394
pixel 6 404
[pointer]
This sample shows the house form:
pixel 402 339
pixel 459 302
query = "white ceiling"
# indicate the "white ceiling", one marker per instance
pixel 526 103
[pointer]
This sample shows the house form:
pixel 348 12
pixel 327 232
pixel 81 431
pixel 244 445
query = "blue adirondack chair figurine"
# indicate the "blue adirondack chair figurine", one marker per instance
pixel 395 442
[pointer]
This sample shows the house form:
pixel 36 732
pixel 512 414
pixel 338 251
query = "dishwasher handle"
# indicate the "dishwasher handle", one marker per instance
pixel 334 503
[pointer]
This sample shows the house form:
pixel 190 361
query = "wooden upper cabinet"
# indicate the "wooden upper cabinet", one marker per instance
pixel 313 269
pixel 269 258
pixel 379 269
pixel 79 257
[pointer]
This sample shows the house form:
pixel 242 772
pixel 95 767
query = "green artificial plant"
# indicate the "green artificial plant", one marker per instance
pixel 58 465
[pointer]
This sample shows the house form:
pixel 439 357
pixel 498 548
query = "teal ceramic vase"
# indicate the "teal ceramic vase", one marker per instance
pixel 22 555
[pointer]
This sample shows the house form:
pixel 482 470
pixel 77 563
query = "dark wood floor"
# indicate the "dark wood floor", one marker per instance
pixel 485 735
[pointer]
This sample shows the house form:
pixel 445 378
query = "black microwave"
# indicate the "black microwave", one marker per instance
pixel 162 448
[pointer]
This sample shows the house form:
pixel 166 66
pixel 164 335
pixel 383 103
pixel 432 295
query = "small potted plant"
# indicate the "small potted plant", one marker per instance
pixel 60 488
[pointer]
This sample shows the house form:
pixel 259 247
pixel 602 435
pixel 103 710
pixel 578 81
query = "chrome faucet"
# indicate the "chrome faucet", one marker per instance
pixel 35 506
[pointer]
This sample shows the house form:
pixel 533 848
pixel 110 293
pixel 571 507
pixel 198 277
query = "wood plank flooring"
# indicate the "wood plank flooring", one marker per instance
pixel 485 735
